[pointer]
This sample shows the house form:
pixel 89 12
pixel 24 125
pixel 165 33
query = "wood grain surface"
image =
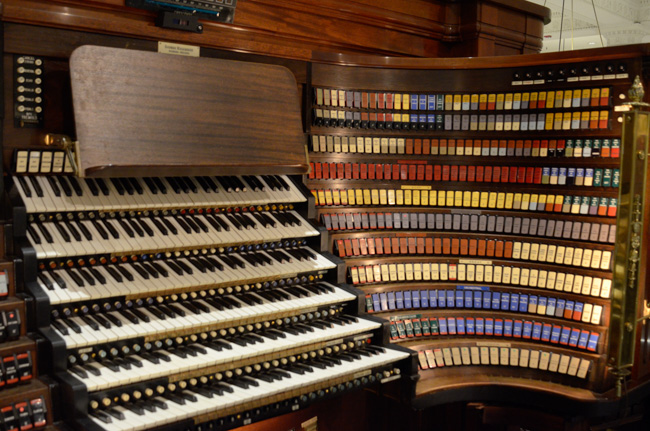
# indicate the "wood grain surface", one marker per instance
pixel 142 113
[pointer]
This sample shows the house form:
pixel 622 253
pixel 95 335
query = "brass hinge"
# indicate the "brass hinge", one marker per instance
pixel 66 144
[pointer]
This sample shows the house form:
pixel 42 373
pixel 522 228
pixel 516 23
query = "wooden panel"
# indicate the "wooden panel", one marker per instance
pixel 186 115
pixel 496 28
pixel 436 28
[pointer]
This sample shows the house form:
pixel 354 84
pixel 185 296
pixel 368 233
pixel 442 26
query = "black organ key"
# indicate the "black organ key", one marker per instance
pixel 100 229
pixel 251 222
pixel 35 236
pixel 280 257
pixel 102 321
pixel 200 307
pixel 37 187
pixel 75 277
pixel 160 185
pixel 102 186
pixel 250 259
pixel 203 184
pixel 176 309
pixel 92 186
pixel 140 315
pixel 145 226
pixel 173 184
pixel 88 321
pixel 159 225
pixel 111 229
pixel 225 226
pixel 283 183
pixel 134 408
pixel 182 224
pixel 126 184
pixel 191 184
pixel 150 269
pixel 158 404
pixel 120 362
pixel 102 416
pixel 98 276
pixel 62 231
pixel 183 186
pixel 133 361
pixel 72 325
pixel 262 220
pixel 213 222
pixel 239 185
pixel 129 316
pixel 201 225
pixel 140 270
pixel 169 226
pixel 226 184
pixel 60 327
pixel 114 320
pixel 157 312
pixel 161 270
pixel 58 280
pixel 114 273
pixel 168 311
pixel 125 273
pixel 213 186
pixel 25 186
pixel 118 186
pixel 92 370
pixel 136 186
pixel 174 267
pixel 151 185
pixel 184 267
pixel 46 281
pixel 53 185
pixel 193 225
pixel 73 230
pixel 191 307
pixel 46 234
pixel 271 182
pixel 206 264
pixel 65 186
pixel 85 232
pixel 115 413
pixel 135 226
pixel 79 371
pixel 235 221
pixel 150 357
pixel 198 265
pixel 74 183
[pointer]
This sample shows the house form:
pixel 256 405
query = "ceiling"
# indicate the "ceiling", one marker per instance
pixel 621 22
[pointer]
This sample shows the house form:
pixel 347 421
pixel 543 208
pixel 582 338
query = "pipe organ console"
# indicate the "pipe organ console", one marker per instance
pixel 182 301
pixel 176 253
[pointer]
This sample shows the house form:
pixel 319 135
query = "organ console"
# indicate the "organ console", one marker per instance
pixel 184 301
pixel 185 248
